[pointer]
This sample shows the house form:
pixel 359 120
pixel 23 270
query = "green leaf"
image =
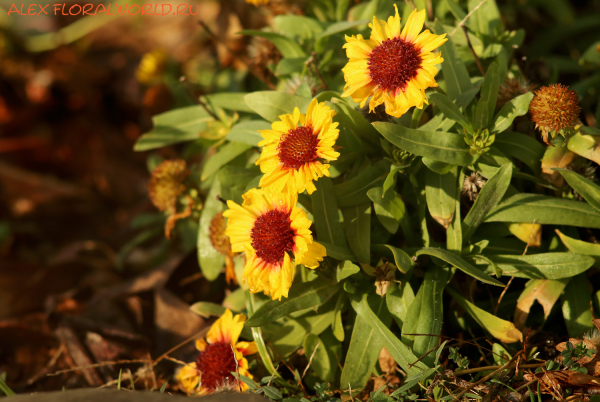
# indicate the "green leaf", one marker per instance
pixel 455 73
pixel 226 154
pixel 288 47
pixel 325 211
pixel 545 291
pixel 258 338
pixel 504 331
pixel 207 309
pixel 516 107
pixel 485 17
pixel 354 191
pixel 346 270
pixel 210 260
pixel 289 66
pixel 390 210
pixel 247 132
pixel 489 196
pixel 337 326
pixel 525 208
pixel 272 104
pixel 315 350
pixel 542 266
pixel 341 27
pixel 399 297
pixel 229 101
pixel 436 166
pixel 586 146
pixel 365 345
pixel 297 26
pixel 173 127
pixel 459 263
pixel 357 225
pixel 577 300
pixel 454 239
pixel 450 110
pixel 338 252
pixel 487 101
pixel 580 247
pixel 301 296
pixel 589 190
pixel 399 351
pixel 522 147
pixel 402 260
pixel 438 145
pixel 440 191
pixel 425 315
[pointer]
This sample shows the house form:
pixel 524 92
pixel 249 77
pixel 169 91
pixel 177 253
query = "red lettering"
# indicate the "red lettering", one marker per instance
pixel 138 10
pixel 11 9
pixel 86 9
pixel 163 9
pixel 196 13
pixel 179 6
pixel 144 10
pixel 118 9
pixel 31 7
pixel 63 9
pixel 43 9
pixel 103 11
pixel 71 9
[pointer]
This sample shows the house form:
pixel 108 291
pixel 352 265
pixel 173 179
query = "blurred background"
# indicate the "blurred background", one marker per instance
pixel 86 274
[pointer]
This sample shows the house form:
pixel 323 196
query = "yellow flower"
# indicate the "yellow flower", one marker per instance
pixel 152 66
pixel 393 66
pixel 294 148
pixel 218 356
pixel 269 228
pixel 257 2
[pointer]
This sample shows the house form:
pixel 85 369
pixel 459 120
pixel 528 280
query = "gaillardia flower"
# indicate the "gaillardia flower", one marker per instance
pixel 394 66
pixel 220 355
pixel 257 2
pixel 274 234
pixel 295 147
pixel 553 109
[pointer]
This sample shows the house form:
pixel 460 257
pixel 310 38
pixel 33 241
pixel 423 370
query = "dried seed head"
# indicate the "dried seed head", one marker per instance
pixel 511 88
pixel 472 184
pixel 166 184
pixel 262 54
pixel 553 109
pixel 378 114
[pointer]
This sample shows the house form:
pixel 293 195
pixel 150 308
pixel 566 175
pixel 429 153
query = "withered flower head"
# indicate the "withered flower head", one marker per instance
pixel 472 184
pixel 553 109
pixel 166 184
pixel 152 66
pixel 511 88
pixel 292 84
pixel 262 54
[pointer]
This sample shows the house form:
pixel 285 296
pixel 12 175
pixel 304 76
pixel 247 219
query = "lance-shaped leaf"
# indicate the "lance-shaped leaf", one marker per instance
pixel 454 231
pixel 389 208
pixel 522 147
pixel 579 246
pixel 545 210
pixel 440 191
pixel 587 146
pixel 325 211
pixel 399 351
pixel 459 263
pixel 225 155
pixel 516 107
pixel 589 190
pixel 425 314
pixel 357 225
pixel 353 192
pixel 438 145
pixel 456 75
pixel 365 345
pixel 288 47
pixel 399 297
pixel 544 291
pixel 487 101
pixel 229 101
pixel 490 195
pixel 450 110
pixel 504 331
pixel 301 296
pixel 272 104
pixel 247 132
pixel 542 266
pixel 576 300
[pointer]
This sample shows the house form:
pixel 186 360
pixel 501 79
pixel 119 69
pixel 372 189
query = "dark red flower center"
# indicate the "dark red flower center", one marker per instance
pixel 216 362
pixel 272 236
pixel 298 147
pixel 393 63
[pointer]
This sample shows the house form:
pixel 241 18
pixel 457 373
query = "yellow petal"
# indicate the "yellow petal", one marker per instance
pixel 413 26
